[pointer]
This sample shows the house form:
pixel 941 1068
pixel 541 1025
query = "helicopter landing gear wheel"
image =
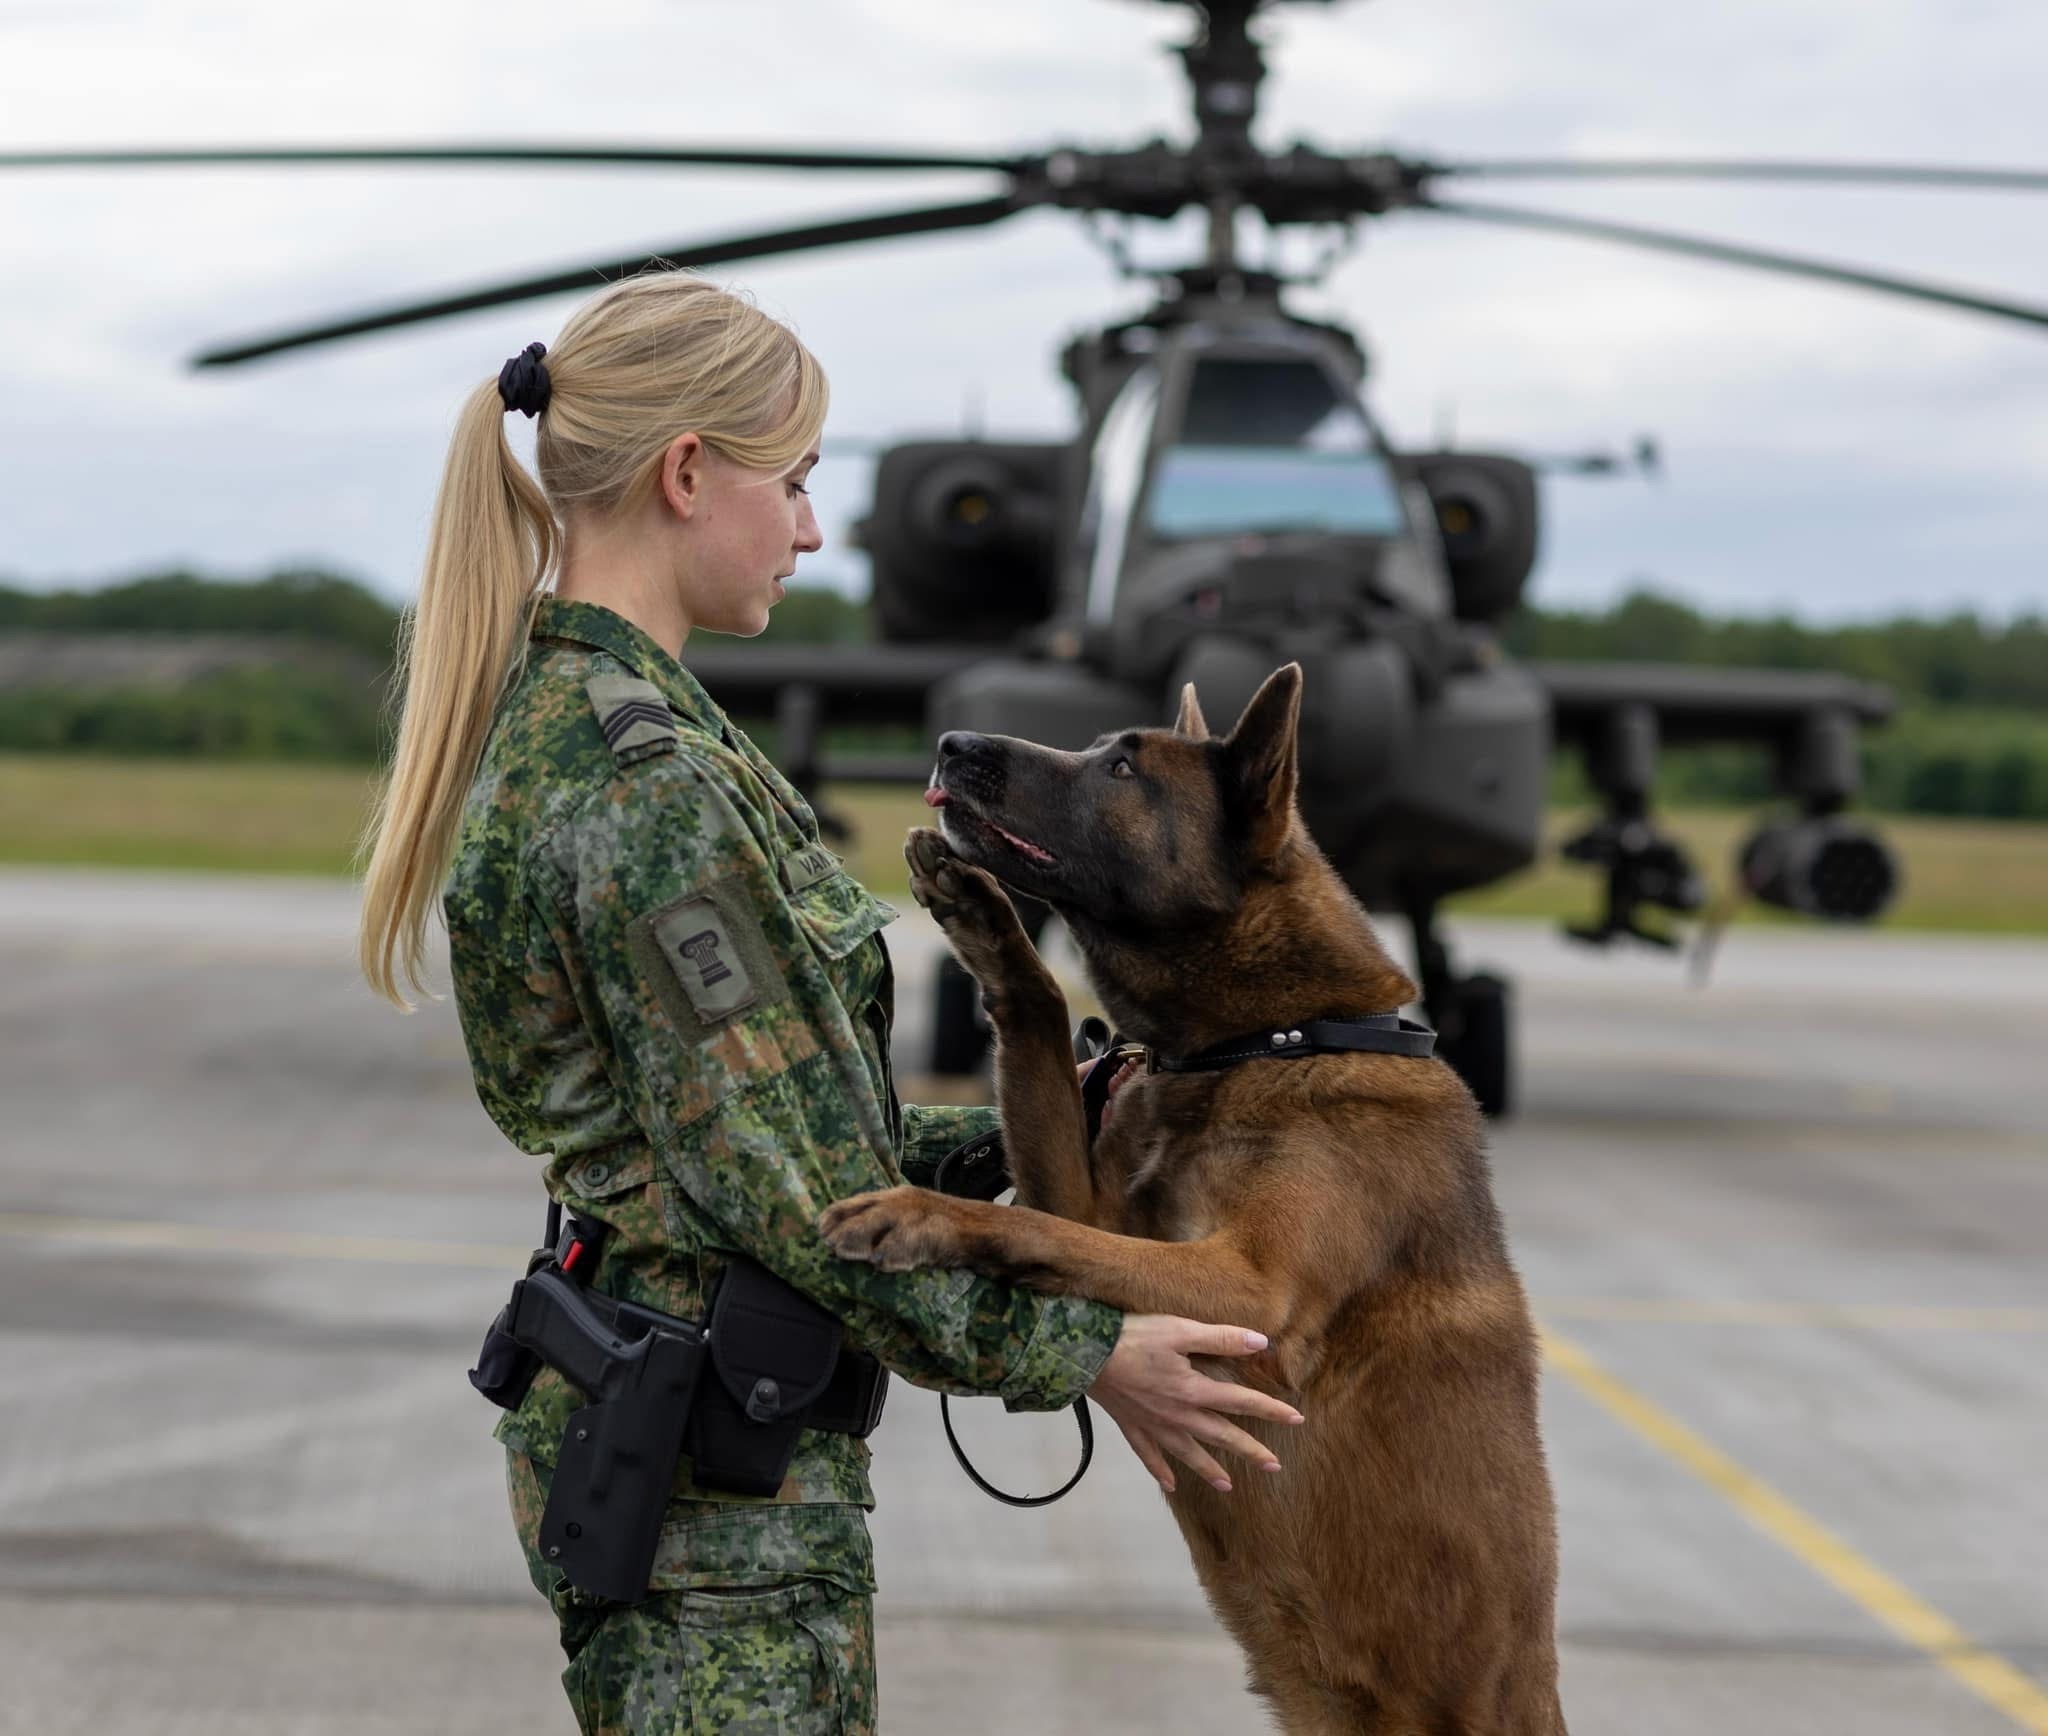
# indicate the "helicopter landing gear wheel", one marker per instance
pixel 1473 1015
pixel 960 1033
pixel 1481 1050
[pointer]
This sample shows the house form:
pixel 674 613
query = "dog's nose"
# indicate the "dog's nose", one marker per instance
pixel 964 744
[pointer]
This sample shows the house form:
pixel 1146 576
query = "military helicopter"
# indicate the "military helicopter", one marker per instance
pixel 1228 503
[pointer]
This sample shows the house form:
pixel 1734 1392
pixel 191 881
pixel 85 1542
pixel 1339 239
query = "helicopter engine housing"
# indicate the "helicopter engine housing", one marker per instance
pixel 1487 515
pixel 962 536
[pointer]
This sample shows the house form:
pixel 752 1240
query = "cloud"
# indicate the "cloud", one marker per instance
pixel 1834 452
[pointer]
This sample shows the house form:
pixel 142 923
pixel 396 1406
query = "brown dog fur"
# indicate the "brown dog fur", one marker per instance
pixel 1398 1576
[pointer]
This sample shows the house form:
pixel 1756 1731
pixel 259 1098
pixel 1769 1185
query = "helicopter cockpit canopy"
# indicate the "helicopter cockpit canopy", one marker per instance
pixel 1269 444
pixel 1235 481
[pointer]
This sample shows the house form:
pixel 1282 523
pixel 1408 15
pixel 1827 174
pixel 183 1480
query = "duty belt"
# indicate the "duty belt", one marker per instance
pixel 780 1367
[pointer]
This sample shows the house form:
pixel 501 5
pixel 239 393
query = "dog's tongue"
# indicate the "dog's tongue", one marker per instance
pixel 934 797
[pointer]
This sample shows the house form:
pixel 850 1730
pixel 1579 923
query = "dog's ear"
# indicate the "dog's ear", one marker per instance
pixel 1191 722
pixel 1261 755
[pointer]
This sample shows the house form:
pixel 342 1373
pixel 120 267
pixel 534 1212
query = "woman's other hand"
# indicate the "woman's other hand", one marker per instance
pixel 1165 1405
pixel 1117 1081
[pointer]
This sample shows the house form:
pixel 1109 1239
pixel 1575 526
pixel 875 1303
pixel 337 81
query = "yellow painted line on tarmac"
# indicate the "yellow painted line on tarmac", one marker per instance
pixel 1990 1677
pixel 212 1239
pixel 1678 1311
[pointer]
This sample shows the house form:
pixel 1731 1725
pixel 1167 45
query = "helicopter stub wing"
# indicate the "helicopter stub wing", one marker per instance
pixel 1692 704
pixel 809 688
pixel 890 684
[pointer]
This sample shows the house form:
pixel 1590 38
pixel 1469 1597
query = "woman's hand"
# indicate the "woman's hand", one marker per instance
pixel 1117 1080
pixel 1164 1405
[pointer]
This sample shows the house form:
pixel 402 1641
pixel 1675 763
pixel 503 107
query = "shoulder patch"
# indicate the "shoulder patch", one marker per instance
pixel 634 716
pixel 698 944
pixel 706 959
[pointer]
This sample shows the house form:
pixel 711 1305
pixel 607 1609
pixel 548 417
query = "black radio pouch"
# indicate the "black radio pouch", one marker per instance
pixel 773 1351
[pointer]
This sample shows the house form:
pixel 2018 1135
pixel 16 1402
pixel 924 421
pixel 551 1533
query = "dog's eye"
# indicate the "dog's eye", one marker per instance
pixel 1122 769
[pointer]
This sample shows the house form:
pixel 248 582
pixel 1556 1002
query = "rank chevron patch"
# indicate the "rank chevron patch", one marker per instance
pixel 635 718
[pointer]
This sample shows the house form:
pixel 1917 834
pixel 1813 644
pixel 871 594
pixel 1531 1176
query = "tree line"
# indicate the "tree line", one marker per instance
pixel 1971 739
pixel 1953 659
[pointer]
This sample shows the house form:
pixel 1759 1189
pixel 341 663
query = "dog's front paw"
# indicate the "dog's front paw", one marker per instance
pixel 900 1231
pixel 960 896
pixel 976 913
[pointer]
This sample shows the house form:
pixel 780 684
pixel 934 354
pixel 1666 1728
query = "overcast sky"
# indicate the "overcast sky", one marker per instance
pixel 1828 452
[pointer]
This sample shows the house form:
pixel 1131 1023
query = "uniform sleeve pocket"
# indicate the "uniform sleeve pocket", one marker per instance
pixel 837 913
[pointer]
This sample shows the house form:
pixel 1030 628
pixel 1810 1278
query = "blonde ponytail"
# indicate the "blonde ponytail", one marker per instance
pixel 493 542
pixel 650 358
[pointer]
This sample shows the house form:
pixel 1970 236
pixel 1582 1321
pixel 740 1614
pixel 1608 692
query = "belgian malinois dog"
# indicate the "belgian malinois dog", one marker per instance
pixel 1399 1575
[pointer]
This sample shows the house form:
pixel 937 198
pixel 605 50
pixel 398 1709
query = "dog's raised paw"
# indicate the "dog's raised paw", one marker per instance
pixel 952 890
pixel 930 857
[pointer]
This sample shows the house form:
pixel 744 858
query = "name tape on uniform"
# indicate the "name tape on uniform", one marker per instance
pixel 806 867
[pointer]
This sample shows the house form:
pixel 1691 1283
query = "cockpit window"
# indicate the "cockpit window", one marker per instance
pixel 1269 444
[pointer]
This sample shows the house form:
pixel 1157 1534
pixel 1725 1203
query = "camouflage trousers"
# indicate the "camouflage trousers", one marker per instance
pixel 797 1660
pixel 778 1653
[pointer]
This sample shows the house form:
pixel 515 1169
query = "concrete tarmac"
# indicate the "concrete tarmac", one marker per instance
pixel 1785 1236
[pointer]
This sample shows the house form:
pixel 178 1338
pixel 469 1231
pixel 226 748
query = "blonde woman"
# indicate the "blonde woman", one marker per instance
pixel 676 1002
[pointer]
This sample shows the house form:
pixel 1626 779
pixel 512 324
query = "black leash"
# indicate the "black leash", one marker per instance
pixel 1093 1039
pixel 1081 1416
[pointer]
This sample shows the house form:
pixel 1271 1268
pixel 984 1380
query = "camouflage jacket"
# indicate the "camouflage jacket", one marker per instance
pixel 671 991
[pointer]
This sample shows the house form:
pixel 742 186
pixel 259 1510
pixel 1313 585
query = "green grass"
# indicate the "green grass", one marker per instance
pixel 1960 875
pixel 261 818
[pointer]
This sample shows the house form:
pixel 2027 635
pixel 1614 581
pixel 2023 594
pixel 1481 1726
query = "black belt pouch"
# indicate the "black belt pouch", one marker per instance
pixel 773 1351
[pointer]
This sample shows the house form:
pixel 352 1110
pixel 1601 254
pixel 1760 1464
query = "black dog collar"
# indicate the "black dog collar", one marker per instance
pixel 1376 1033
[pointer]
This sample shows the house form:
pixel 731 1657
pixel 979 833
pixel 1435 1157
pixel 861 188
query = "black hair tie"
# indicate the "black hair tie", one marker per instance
pixel 523 381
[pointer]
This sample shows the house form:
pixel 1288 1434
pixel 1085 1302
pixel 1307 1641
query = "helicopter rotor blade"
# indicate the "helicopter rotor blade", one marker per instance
pixel 1746 169
pixel 879 226
pixel 644 156
pixel 1696 247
